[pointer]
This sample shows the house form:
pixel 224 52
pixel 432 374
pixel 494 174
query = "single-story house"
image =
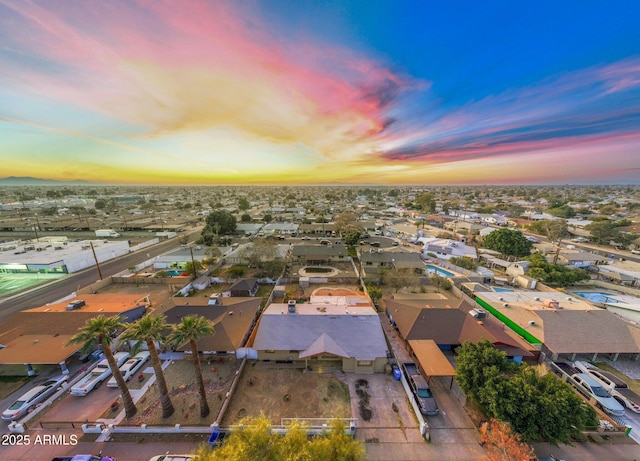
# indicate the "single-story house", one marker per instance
pixel 232 319
pixel 317 254
pixel 344 335
pixel 562 325
pixel 374 260
pixel 246 287
pixel 450 326
pixel 41 335
pixel 581 259
pixel 318 229
pixel 280 229
pixel 446 248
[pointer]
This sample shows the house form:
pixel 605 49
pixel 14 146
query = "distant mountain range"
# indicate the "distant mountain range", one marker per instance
pixel 30 181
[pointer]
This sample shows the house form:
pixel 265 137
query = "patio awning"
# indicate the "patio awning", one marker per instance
pixel 430 358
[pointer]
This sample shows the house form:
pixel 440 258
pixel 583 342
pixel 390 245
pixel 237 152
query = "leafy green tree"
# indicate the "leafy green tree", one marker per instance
pixel 477 364
pixel 100 331
pixel 426 202
pixel 508 242
pixel 465 263
pixel 255 441
pixel 246 217
pixel 267 218
pixel 603 231
pixel 351 238
pixel 554 274
pixel 190 329
pixel 562 211
pixel 537 407
pixel 375 293
pixel 219 222
pixel 193 268
pixel 151 330
pixel 243 204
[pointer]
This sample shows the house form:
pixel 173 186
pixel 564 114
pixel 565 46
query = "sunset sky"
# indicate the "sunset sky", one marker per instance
pixel 313 92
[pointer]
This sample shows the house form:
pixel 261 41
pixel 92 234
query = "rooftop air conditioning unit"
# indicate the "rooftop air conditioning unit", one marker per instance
pixel 536 298
pixel 478 313
pixel 291 306
pixel 531 322
pixel 505 304
pixel 501 298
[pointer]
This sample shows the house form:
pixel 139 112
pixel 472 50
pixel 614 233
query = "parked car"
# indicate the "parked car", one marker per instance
pixel 635 252
pixel 591 388
pixel 306 237
pixel 130 367
pixel 532 239
pixel 168 457
pixel 100 373
pixel 425 398
pixel 33 397
pixel 580 240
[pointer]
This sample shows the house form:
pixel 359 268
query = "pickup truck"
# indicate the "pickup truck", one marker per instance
pixel 420 389
pixel 97 457
pixel 95 378
pixel 618 389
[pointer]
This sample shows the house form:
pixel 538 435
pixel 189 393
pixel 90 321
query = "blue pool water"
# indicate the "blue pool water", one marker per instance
pixel 502 290
pixel 175 272
pixel 439 271
pixel 596 296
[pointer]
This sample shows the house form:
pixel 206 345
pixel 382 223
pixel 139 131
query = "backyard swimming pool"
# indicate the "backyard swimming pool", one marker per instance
pixel 439 271
pixel 596 296
pixel 175 272
pixel 502 290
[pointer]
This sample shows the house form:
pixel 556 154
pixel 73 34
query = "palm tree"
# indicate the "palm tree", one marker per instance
pixel 152 329
pixel 189 330
pixel 100 330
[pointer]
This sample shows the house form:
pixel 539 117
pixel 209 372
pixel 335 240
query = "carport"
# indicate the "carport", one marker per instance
pixel 431 359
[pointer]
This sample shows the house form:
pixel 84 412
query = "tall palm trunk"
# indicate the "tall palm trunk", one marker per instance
pixel 204 406
pixel 165 399
pixel 129 407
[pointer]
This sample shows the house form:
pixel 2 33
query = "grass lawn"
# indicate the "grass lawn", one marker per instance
pixel 634 384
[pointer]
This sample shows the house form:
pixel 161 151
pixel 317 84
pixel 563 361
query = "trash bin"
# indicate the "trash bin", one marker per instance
pixel 397 374
pixel 213 438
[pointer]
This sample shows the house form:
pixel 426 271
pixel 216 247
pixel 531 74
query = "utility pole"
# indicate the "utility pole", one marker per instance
pixel 96 258
pixel 193 262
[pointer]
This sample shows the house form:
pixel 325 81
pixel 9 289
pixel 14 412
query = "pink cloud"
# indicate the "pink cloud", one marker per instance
pixel 197 64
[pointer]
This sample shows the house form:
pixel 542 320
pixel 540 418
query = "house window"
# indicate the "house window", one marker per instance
pixel 369 263
pixel 270 351
pixel 364 363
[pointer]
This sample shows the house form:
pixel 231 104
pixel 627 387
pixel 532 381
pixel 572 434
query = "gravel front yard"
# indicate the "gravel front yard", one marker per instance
pixel 181 381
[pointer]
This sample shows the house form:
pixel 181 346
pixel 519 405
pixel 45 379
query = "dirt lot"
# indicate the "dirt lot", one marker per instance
pixel 180 377
pixel 287 393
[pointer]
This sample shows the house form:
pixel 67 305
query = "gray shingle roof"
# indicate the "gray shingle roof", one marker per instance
pixel 569 331
pixel 358 336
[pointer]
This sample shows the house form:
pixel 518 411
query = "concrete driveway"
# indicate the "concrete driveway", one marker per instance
pixel 79 409
pixel 393 432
